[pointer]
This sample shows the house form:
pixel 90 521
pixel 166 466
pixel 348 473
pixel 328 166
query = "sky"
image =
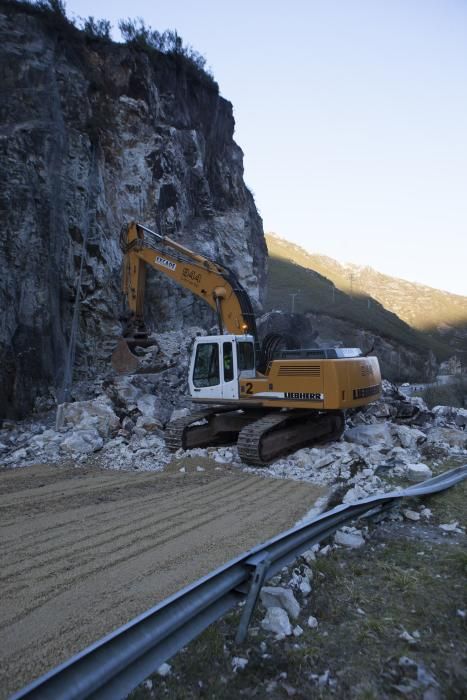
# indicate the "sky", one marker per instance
pixel 352 116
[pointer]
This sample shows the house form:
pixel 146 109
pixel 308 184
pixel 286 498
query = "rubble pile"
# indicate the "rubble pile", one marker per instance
pixel 119 421
pixel 393 437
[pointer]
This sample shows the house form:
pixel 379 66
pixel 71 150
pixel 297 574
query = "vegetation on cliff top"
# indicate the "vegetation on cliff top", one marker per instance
pixel 134 32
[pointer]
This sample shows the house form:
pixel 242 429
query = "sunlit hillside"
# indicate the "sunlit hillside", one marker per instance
pixel 440 314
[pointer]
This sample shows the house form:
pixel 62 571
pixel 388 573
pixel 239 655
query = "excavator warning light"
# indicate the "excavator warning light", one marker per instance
pixel 244 327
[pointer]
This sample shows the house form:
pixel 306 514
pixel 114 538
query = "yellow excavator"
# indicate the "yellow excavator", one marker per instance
pixel 271 401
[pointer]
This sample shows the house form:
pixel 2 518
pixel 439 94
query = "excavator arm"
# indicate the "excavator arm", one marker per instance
pixel 210 281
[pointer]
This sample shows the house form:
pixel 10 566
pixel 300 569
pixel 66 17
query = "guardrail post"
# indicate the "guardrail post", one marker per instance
pixel 258 576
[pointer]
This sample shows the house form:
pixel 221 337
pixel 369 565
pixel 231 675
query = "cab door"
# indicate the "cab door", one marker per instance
pixel 205 378
pixel 229 369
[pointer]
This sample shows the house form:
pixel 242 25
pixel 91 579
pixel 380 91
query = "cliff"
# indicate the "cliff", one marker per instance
pixel 94 134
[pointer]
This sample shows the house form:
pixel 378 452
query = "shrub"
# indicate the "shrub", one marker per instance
pixel 97 28
pixel 57 6
pixel 169 42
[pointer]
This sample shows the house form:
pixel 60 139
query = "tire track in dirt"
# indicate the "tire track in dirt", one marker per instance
pixel 85 550
pixel 62 549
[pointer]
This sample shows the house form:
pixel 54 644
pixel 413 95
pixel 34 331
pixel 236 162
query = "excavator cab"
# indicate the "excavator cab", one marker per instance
pixel 217 363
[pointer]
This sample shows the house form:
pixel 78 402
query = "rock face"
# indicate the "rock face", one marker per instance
pixel 92 135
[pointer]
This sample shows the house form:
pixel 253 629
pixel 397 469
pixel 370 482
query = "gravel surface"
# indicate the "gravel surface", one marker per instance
pixel 85 550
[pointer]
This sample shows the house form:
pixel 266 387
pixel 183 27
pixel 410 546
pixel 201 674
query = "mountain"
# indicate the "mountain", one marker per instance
pixel 434 316
pixel 332 305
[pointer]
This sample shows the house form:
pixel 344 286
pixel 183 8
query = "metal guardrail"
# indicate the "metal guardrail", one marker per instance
pixel 114 665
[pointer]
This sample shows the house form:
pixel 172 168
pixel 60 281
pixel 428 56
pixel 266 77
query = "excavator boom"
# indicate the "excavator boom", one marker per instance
pixel 213 282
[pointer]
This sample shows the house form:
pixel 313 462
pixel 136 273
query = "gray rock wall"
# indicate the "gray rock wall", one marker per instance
pixel 92 135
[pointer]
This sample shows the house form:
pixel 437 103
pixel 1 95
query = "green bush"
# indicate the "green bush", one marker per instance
pixel 452 394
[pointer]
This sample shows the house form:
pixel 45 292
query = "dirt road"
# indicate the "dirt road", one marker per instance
pixel 84 550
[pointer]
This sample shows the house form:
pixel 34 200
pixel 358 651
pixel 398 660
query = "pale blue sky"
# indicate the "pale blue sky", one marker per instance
pixel 352 115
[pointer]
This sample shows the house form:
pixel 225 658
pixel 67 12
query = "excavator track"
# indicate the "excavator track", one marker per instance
pixel 182 434
pixel 266 439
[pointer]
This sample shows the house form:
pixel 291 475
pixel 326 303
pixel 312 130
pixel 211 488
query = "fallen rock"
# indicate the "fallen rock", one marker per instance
pixel 82 441
pixel 461 418
pixel 411 515
pixel 426 513
pixel 277 621
pixel 18 455
pixel 126 392
pixel 278 597
pixel 312 622
pixel 418 472
pixel 379 409
pixel 96 414
pixel 164 670
pixel 368 435
pixel 445 415
pixel 238 662
pixel 310 555
pixel 148 423
pixel 149 405
pixel 408 437
pixel 450 436
pixel 349 539
pixel 451 527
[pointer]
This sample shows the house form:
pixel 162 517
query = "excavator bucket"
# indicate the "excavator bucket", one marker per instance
pixel 123 360
pixel 135 355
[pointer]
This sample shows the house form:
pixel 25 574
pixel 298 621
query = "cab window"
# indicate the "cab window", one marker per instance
pixel 206 369
pixel 228 362
pixel 245 356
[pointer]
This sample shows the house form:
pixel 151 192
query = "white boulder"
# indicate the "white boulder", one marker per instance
pixel 408 437
pixel 461 418
pixel 127 392
pixel 148 404
pixel 238 662
pixel 418 471
pixel 82 441
pixel 312 622
pixel 368 435
pixel 411 515
pixel 164 670
pixel 346 538
pixel 450 436
pixel 277 621
pixel 418 402
pixel 96 414
pixel 278 597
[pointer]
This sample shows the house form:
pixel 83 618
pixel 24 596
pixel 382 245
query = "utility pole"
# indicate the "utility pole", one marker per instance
pixel 351 284
pixel 293 295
